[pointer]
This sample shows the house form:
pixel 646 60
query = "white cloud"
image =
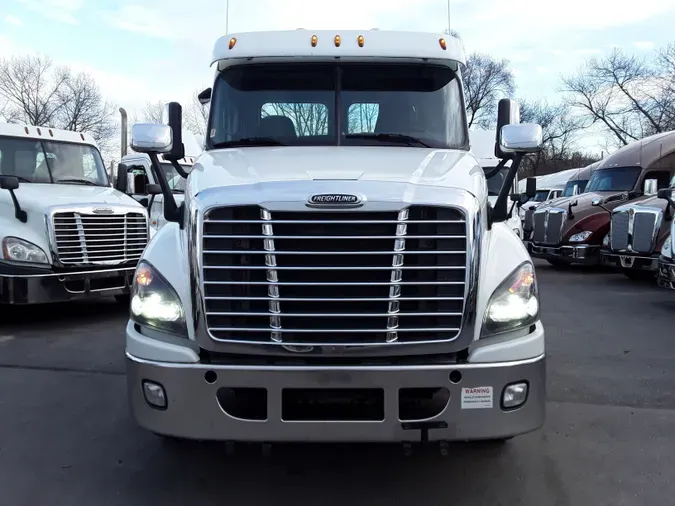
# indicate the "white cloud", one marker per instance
pixel 644 44
pixel 13 20
pixel 63 11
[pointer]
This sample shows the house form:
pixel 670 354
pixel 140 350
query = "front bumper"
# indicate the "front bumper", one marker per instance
pixel 666 275
pixel 634 262
pixel 578 254
pixel 33 286
pixel 194 410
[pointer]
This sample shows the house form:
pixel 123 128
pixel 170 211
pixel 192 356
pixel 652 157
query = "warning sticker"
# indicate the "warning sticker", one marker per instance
pixel 477 398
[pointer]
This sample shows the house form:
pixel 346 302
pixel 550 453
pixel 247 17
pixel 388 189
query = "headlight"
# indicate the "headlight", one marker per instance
pixel 667 250
pixel 18 250
pixel 514 304
pixel 605 241
pixel 581 236
pixel 154 303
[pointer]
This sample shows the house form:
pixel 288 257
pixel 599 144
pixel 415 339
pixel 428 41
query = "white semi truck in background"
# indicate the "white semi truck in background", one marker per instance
pixel 65 233
pixel 336 270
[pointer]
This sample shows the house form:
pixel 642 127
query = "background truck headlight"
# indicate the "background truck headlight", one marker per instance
pixel 667 250
pixel 18 250
pixel 154 302
pixel 514 304
pixel 605 241
pixel 581 236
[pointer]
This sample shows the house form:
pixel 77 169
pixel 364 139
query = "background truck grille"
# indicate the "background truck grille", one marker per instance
pixel 639 234
pixel 338 277
pixel 548 226
pixel 528 224
pixel 94 239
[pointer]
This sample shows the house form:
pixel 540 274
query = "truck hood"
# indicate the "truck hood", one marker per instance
pixel 247 166
pixel 38 197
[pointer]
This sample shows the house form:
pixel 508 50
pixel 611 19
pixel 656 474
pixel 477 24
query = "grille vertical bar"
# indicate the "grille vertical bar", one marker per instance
pixel 396 277
pixel 272 277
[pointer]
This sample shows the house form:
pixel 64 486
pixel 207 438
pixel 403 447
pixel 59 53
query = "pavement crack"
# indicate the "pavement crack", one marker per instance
pixel 61 369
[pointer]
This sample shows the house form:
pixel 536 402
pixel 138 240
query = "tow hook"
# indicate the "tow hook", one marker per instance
pixel 444 448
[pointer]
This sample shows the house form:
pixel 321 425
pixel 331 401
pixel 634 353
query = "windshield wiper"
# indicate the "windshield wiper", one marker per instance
pixel 249 141
pixel 408 140
pixel 76 181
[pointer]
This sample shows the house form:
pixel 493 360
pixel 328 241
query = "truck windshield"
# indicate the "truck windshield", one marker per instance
pixel 175 180
pixel 540 196
pixel 326 104
pixel 569 187
pixel 618 179
pixel 35 161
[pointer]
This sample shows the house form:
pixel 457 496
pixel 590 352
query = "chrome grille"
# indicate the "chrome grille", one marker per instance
pixel 619 230
pixel 634 229
pixel 548 226
pixel 334 277
pixel 83 238
pixel 643 232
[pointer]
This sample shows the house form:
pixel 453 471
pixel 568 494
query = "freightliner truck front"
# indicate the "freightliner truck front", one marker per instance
pixel 336 271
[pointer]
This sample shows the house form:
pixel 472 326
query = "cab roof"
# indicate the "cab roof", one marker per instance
pixel 643 153
pixel 347 45
pixel 44 133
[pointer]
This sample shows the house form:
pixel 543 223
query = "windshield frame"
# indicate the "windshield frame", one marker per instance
pixel 103 180
pixel 599 173
pixel 335 121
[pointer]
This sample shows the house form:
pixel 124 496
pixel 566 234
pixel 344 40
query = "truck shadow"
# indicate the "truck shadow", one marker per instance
pixel 88 311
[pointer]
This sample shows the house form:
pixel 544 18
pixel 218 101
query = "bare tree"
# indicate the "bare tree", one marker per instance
pixel 153 112
pixel 30 85
pixel 486 80
pixel 628 97
pixel 37 93
pixel 196 115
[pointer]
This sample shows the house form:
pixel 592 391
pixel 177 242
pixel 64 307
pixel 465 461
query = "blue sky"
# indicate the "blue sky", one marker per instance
pixel 146 50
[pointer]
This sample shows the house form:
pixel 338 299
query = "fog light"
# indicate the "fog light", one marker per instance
pixel 154 394
pixel 514 395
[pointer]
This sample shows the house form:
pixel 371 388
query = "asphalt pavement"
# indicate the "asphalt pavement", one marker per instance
pixel 66 437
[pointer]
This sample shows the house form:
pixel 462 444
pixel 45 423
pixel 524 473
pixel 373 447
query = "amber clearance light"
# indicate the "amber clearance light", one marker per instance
pixel 338 40
pixel 361 40
pixel 233 41
pixel 315 39
pixel 444 46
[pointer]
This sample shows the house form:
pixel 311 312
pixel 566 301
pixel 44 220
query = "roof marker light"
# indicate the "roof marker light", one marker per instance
pixel 338 40
pixel 26 129
pixel 39 132
pixel 361 40
pixel 51 133
pixel 233 41
pixel 315 39
pixel 82 136
pixel 444 46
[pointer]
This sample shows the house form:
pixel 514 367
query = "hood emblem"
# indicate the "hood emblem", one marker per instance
pixel 102 210
pixel 335 200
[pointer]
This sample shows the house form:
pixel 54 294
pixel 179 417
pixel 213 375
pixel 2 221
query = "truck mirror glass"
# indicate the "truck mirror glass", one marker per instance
pixel 122 179
pixel 153 189
pixel 173 118
pixel 508 113
pixel 651 186
pixel 205 96
pixel 151 138
pixel 531 187
pixel 10 183
pixel 522 138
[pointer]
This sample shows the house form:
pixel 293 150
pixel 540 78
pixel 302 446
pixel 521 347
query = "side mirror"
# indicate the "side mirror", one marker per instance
pixel 508 113
pixel 122 178
pixel 596 202
pixel 205 96
pixel 515 197
pixel 153 189
pixel 663 193
pixel 522 138
pixel 651 186
pixel 531 187
pixel 151 138
pixel 9 183
pixel 173 117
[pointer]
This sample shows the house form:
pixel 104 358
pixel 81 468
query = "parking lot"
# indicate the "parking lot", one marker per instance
pixel 66 436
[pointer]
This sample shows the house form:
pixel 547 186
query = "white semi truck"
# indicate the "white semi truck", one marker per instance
pixel 336 271
pixel 65 233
